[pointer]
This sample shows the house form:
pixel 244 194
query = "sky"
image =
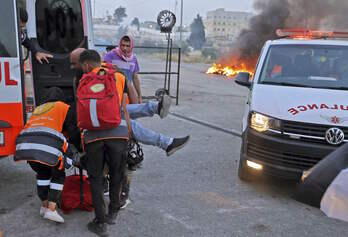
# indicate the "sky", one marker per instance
pixel 149 9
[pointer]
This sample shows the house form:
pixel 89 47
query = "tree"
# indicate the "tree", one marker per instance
pixel 119 15
pixel 136 23
pixel 197 37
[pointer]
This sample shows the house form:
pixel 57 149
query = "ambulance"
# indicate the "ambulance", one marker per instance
pixel 54 26
pixel 297 109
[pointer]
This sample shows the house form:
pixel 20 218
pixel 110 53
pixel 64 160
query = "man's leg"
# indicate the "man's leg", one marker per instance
pixel 95 166
pixel 117 163
pixel 149 137
pixel 150 108
pixel 43 180
pixel 56 187
pixel 124 198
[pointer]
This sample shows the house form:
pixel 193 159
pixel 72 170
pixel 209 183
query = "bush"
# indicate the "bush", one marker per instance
pixel 210 53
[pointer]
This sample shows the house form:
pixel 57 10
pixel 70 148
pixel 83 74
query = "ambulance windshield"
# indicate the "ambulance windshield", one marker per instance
pixel 318 66
pixel 8 46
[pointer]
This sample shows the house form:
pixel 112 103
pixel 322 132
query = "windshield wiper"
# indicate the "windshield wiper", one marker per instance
pixel 285 84
pixel 336 88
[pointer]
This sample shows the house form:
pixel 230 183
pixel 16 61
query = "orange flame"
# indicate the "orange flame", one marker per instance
pixel 229 71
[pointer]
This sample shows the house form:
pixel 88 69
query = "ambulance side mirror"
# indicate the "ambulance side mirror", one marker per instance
pixel 242 79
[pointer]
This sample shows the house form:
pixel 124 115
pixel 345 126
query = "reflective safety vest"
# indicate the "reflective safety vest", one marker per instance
pixel 51 115
pixel 42 140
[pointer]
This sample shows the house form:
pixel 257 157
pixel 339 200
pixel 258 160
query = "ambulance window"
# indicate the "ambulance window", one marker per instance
pixel 59 25
pixel 8 46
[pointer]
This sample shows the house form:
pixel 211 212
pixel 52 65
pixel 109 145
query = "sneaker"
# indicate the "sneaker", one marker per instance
pixel 164 105
pixel 43 210
pixel 53 216
pixel 177 144
pixel 106 187
pixel 125 203
pixel 98 228
pixel 111 217
pixel 124 200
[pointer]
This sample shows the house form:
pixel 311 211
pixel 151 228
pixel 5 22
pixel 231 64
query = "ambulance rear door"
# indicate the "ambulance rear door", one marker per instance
pixel 56 27
pixel 11 79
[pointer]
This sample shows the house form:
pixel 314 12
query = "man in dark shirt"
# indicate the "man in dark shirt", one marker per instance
pixel 40 56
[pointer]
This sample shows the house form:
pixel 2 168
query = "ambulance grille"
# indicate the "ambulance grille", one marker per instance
pixel 284 159
pixel 311 132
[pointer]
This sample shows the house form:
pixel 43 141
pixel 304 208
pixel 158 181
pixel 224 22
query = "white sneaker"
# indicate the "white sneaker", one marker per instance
pixel 125 204
pixel 53 216
pixel 164 106
pixel 43 210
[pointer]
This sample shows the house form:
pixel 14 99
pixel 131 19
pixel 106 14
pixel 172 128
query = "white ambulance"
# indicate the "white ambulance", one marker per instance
pixel 297 109
pixel 54 26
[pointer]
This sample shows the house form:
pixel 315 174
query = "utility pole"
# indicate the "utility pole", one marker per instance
pixel 181 15
pixel 94 10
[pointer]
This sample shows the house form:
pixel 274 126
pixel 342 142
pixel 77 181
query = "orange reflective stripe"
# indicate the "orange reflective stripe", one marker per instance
pixel 61 165
pixel 65 146
pixel 51 115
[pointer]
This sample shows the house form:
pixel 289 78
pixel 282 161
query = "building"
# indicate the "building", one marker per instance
pixel 225 26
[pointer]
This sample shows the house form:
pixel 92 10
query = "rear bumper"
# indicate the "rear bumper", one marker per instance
pixel 280 156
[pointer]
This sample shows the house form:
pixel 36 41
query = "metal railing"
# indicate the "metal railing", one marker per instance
pixel 168 68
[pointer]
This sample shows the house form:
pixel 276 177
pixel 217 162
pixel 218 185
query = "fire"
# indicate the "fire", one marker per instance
pixel 229 71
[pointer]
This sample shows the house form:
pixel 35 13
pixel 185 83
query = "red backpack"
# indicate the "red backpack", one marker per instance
pixel 98 105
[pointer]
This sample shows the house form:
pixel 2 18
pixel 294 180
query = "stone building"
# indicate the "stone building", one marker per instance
pixel 224 26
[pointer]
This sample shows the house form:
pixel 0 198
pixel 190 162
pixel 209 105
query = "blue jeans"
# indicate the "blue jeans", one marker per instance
pixel 148 109
pixel 142 134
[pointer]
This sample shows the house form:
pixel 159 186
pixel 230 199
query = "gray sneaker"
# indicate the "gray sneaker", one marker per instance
pixel 177 144
pixel 164 105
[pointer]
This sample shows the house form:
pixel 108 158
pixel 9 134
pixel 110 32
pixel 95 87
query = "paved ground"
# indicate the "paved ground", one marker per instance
pixel 195 192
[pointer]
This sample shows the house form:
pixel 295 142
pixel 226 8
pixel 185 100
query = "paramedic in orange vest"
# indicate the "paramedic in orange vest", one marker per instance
pixel 108 147
pixel 55 115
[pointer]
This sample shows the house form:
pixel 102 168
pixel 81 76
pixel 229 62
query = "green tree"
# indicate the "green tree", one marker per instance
pixel 197 37
pixel 136 22
pixel 119 15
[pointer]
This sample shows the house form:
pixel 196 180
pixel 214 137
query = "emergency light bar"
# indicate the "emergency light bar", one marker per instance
pixel 310 34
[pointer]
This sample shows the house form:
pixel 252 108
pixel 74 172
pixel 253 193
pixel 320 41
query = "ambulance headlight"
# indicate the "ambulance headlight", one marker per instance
pixel 262 123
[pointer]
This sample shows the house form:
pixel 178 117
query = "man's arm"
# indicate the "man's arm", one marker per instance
pixel 40 56
pixel 137 87
pixel 132 95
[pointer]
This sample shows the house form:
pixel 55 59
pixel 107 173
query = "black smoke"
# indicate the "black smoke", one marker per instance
pixel 274 14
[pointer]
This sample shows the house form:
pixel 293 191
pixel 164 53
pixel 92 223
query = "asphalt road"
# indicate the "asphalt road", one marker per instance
pixel 196 192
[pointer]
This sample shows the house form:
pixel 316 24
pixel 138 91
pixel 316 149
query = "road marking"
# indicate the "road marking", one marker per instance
pixel 207 124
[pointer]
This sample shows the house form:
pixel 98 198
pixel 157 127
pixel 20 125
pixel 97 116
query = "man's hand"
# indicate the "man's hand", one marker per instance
pixel 40 56
pixel 140 99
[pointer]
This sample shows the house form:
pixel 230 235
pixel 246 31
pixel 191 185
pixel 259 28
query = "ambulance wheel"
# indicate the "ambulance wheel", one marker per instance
pixel 160 92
